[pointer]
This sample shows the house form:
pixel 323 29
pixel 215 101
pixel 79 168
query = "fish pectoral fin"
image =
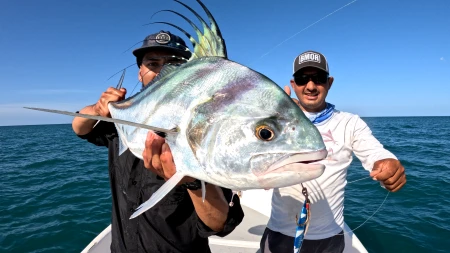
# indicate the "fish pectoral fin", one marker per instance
pixel 157 130
pixel 159 194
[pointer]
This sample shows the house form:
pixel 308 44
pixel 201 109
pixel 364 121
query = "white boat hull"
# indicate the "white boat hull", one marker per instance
pixel 246 237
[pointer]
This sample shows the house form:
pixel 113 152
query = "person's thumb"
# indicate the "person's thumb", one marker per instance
pixel 375 171
pixel 287 90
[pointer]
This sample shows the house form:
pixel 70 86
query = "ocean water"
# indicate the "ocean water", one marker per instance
pixel 55 194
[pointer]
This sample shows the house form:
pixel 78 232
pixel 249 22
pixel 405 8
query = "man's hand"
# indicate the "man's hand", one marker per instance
pixel 82 126
pixel 288 91
pixel 158 158
pixel 110 95
pixel 390 172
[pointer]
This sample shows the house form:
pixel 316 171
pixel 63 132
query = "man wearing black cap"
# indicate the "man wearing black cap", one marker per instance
pixel 344 134
pixel 181 222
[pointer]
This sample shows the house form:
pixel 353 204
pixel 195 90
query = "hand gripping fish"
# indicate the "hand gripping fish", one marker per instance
pixel 226 124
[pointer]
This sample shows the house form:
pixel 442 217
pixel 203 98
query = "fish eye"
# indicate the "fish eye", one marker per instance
pixel 264 133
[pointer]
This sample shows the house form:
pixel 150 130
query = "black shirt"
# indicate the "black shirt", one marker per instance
pixel 172 225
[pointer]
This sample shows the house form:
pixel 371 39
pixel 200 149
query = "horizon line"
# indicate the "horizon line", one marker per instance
pixel 429 116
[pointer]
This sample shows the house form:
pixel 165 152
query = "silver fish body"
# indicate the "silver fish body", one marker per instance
pixel 218 106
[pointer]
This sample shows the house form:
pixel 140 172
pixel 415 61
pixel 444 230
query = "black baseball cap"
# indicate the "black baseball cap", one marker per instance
pixel 162 40
pixel 311 59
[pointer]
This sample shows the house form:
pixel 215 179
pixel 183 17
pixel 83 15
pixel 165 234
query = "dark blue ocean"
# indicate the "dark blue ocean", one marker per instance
pixel 55 194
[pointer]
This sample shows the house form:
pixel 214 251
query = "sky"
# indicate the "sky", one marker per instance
pixel 388 57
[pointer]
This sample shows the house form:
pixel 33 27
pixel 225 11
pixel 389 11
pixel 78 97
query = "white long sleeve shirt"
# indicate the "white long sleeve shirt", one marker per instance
pixel 342 134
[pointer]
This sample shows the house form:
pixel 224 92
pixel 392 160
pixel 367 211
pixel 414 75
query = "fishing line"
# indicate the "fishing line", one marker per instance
pixel 139 82
pixel 279 44
pixel 159 57
pixel 131 93
pixel 376 211
pixel 134 46
pixel 129 66
pixel 120 71
pixel 268 52
pixel 357 180
pixel 318 191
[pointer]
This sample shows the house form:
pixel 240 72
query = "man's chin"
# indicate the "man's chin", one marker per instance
pixel 312 106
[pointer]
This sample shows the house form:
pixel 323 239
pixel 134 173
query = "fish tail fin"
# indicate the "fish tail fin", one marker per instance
pixel 159 194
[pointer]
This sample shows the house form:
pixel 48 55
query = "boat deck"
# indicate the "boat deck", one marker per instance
pixel 245 238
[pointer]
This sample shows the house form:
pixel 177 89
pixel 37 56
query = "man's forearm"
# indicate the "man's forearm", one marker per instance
pixel 82 126
pixel 214 211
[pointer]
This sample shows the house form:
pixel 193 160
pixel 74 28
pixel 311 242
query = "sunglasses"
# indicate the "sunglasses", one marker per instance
pixel 318 78
pixel 159 61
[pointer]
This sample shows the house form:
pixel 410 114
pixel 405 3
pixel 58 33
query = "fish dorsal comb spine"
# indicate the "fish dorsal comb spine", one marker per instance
pixel 210 41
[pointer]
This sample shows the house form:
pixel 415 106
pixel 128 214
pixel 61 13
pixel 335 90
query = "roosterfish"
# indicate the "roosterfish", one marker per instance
pixel 225 123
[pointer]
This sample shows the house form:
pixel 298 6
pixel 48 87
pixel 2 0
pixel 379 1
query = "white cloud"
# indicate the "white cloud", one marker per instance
pixel 442 58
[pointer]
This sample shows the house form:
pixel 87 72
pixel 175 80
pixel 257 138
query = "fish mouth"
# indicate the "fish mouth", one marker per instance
pixel 306 160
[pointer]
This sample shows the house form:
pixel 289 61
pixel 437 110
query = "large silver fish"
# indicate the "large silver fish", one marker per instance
pixel 225 123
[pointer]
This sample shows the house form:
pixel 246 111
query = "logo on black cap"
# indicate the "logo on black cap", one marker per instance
pixel 162 38
pixel 309 56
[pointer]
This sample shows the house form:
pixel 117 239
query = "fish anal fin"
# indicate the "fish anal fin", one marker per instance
pixel 159 194
pixel 122 147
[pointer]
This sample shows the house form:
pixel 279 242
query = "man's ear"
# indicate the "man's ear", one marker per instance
pixel 292 83
pixel 330 82
pixel 139 76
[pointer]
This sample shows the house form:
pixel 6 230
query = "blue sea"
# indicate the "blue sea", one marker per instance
pixel 55 194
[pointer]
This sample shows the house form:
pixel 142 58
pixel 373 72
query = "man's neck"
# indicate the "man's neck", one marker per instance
pixel 321 108
pixel 316 116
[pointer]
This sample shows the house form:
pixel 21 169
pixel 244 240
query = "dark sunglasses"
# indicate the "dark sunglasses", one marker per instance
pixel 318 78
